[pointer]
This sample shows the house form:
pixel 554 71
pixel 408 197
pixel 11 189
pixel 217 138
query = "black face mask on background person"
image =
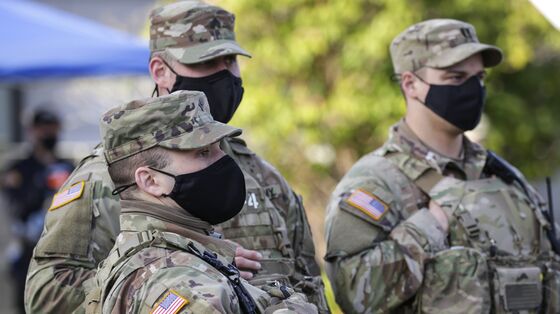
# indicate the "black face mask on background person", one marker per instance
pixel 223 90
pixel 214 194
pixel 460 105
pixel 49 142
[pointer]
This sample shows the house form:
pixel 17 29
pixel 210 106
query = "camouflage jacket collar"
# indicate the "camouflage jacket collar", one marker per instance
pixel 469 165
pixel 137 215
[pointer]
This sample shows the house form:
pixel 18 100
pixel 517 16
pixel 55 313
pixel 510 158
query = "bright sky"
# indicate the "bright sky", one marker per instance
pixel 550 9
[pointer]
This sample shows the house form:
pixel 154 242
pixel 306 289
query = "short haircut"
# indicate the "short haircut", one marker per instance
pixel 164 56
pixel 122 171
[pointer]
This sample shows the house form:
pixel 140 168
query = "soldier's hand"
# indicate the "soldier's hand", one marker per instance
pixel 445 197
pixel 440 215
pixel 247 261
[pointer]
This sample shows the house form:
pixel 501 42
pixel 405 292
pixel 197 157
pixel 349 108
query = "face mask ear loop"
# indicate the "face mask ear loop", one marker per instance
pixel 169 67
pixel 161 171
pixel 421 80
pixel 156 91
pixel 122 188
pixel 165 173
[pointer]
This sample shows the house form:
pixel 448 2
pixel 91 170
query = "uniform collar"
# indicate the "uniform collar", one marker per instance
pixel 138 215
pixel 469 165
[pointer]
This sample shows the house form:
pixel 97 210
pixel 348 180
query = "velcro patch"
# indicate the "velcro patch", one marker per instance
pixel 172 303
pixel 368 203
pixel 66 196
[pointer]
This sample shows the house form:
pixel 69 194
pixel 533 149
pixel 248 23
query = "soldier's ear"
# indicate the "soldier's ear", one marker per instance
pixel 408 81
pixel 161 74
pixel 152 182
pixel 413 87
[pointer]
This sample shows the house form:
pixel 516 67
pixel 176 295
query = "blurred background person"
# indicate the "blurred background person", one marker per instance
pixel 28 185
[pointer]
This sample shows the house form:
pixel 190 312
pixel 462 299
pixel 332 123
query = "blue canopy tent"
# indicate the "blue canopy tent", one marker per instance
pixel 41 42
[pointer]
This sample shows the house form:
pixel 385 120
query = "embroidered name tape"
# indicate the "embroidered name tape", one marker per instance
pixel 368 203
pixel 172 303
pixel 66 196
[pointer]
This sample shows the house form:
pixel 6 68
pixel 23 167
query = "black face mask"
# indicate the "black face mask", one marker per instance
pixel 460 105
pixel 223 90
pixel 49 142
pixel 214 194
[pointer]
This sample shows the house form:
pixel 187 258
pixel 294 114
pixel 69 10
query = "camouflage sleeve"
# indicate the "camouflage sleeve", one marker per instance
pixel 56 285
pixel 279 298
pixel 196 288
pixel 307 277
pixel 193 289
pixel 375 257
pixel 79 231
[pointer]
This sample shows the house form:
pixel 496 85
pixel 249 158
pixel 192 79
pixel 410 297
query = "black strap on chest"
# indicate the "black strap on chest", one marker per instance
pixel 495 165
pixel 167 240
pixel 246 302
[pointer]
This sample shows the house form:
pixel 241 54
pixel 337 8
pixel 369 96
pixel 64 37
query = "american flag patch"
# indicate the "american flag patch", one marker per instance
pixel 172 303
pixel 368 203
pixel 66 196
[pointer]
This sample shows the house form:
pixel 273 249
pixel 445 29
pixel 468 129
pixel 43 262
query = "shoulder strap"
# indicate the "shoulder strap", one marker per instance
pixel 97 151
pixel 111 265
pixel 428 179
pixel 231 272
pixel 423 176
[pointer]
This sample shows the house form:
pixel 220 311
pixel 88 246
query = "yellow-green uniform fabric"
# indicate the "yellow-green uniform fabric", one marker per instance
pixel 54 282
pixel 75 238
pixel 136 276
pixel 404 262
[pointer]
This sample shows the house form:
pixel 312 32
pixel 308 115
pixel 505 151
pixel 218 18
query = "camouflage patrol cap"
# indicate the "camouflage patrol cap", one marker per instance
pixel 193 32
pixel 179 121
pixel 439 43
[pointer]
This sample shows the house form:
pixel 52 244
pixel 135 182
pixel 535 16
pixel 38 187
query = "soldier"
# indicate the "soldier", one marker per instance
pixel 27 185
pixel 438 224
pixel 164 158
pixel 193 47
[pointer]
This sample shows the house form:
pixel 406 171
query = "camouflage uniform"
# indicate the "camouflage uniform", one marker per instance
pixel 159 261
pixel 273 220
pixel 165 258
pixel 496 257
pixel 76 237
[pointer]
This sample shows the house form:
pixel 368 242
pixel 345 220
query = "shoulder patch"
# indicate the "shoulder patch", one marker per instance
pixel 68 195
pixel 368 203
pixel 171 303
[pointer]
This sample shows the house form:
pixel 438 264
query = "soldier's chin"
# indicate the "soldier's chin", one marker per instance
pixel 439 123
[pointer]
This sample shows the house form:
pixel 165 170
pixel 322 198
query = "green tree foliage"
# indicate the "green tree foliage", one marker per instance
pixel 319 92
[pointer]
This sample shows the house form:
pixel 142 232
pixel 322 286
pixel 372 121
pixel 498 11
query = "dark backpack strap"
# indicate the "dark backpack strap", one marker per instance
pixel 231 272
